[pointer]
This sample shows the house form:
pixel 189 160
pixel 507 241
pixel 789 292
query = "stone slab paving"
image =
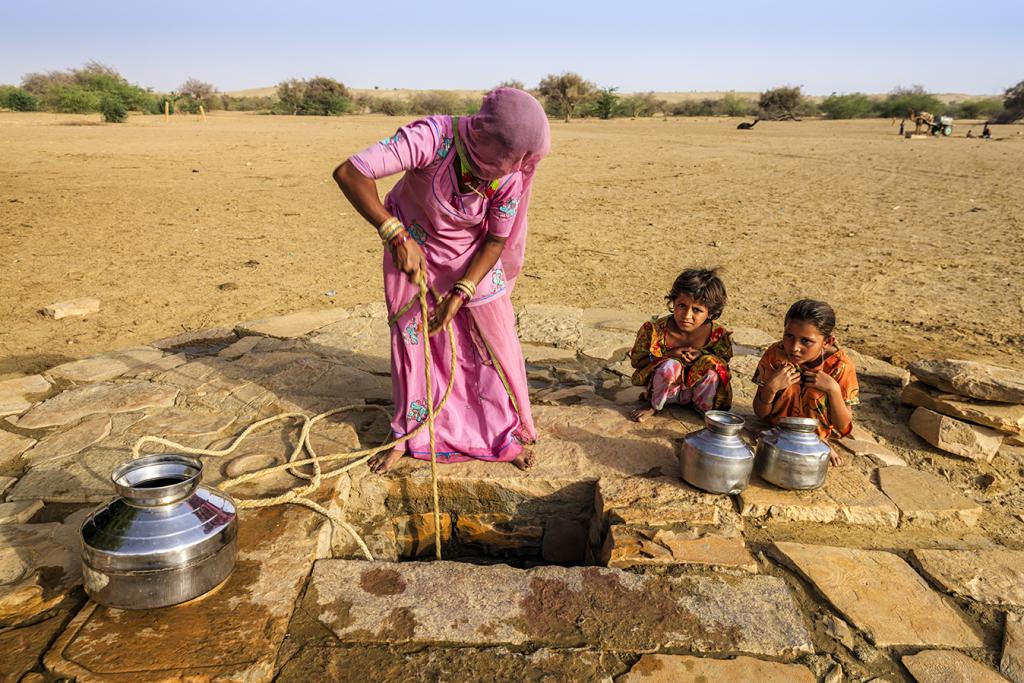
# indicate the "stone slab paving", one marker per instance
pixel 925 498
pixel 207 337
pixel 879 453
pixel 39 567
pixel 1006 417
pixel 375 603
pixel 12 446
pixel 497 665
pixel 969 378
pixel 955 436
pixel 663 501
pixel 15 393
pixel 1012 661
pixel 628 547
pixel 83 477
pixel 360 342
pixel 877 370
pixel 74 404
pixel 19 512
pixel 687 669
pixel 991 577
pixel 946 666
pixel 550 325
pixel 863 584
pixel 21 648
pixel 74 439
pixel 539 355
pixel 106 366
pixel 848 496
pixel 232 633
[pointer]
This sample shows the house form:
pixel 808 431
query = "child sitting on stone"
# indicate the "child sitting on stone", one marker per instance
pixel 807 374
pixel 684 357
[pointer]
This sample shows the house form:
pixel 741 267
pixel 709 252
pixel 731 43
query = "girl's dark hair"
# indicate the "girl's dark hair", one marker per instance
pixel 817 313
pixel 703 285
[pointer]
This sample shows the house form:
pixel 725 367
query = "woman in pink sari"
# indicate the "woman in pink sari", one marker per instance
pixel 459 215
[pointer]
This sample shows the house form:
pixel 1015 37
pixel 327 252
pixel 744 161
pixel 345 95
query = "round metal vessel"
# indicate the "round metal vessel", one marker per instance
pixel 164 541
pixel 715 458
pixel 791 456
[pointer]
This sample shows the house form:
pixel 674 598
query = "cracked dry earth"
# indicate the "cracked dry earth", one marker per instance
pixel 597 564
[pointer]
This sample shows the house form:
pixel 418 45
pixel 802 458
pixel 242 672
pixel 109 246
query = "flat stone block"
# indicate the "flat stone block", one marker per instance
pixel 925 498
pixel 752 337
pixel 11 446
pixel 239 348
pixel 628 547
pixel 499 534
pixel 687 669
pixel 70 441
pixel 209 337
pixel 663 502
pixel 946 666
pixel 72 308
pixel 1006 417
pixel 954 436
pixel 614 319
pixel 1012 662
pixel 362 343
pixel 847 497
pixel 19 512
pixel 459 604
pixel 293 324
pixel 879 453
pixel 550 325
pixel 74 404
pixel 82 478
pixel 497 665
pixel 862 585
pixel 233 633
pixel 605 345
pixel 22 648
pixel 106 366
pixel 876 369
pixel 537 354
pixel 972 379
pixel 15 394
pixel 414 534
pixel 991 577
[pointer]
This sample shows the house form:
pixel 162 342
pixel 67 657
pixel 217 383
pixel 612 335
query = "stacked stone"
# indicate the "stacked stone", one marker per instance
pixel 966 408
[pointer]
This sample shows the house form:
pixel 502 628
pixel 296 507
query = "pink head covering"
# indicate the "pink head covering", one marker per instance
pixel 510 133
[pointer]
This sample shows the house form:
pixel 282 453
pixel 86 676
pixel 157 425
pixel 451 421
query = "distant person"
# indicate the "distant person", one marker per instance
pixel 807 374
pixel 970 132
pixel 683 357
pixel 986 134
pixel 457 217
pixel 901 127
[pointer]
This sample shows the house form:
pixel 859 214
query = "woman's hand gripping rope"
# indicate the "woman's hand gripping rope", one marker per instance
pixel 300 495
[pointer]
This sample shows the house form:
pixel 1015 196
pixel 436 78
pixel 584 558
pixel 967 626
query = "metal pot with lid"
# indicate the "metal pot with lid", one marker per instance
pixel 165 540
pixel 715 458
pixel 791 456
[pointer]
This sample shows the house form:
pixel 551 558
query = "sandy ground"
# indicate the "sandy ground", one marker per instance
pixel 919 244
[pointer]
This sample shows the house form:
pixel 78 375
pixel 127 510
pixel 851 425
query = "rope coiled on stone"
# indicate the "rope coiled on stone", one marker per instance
pixel 300 494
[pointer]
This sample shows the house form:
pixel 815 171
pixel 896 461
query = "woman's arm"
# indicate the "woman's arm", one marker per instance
pixel 487 254
pixel 362 193
pixel 839 414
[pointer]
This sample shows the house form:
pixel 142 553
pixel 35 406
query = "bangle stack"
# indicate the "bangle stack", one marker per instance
pixel 390 229
pixel 465 288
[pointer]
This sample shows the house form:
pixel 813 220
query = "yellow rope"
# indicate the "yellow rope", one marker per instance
pixel 299 495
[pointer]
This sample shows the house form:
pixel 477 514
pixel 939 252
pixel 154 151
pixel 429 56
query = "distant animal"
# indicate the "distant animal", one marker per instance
pixel 922 119
pixel 747 126
pixel 985 132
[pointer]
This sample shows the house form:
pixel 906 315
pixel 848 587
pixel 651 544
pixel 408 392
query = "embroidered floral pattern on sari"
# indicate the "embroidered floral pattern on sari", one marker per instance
pixel 498 278
pixel 446 146
pixel 392 140
pixel 417 411
pixel 412 333
pixel 508 209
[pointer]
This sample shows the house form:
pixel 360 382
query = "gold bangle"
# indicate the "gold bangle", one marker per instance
pixel 470 286
pixel 387 230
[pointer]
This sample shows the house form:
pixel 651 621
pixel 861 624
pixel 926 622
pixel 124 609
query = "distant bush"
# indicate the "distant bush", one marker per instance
pixel 642 104
pixel 729 105
pixel 74 100
pixel 249 103
pixel 784 102
pixel 319 96
pixel 901 101
pixel 17 99
pixel 194 93
pixel 82 90
pixel 1013 102
pixel 853 106
pixel 510 84
pixel 979 108
pixel 113 109
pixel 442 102
pixel 606 103
pixel 563 93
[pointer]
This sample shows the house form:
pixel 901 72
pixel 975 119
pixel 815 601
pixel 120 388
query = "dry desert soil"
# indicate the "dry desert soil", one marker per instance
pixel 919 244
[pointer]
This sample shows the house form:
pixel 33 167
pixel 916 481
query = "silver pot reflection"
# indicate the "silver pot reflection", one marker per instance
pixel 715 458
pixel 791 456
pixel 164 541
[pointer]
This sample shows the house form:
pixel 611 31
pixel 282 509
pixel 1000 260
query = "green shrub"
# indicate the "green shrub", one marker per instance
pixel 17 99
pixel 442 102
pixel 979 108
pixel 250 103
pixel 82 90
pixel 901 101
pixel 606 104
pixel 784 102
pixel 1013 102
pixel 564 93
pixel 853 106
pixel 74 100
pixel 113 109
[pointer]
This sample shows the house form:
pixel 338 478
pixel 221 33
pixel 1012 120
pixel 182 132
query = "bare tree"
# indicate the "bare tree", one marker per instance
pixel 566 92
pixel 197 90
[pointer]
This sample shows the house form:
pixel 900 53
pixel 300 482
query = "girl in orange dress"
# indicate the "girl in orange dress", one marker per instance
pixel 807 374
pixel 684 357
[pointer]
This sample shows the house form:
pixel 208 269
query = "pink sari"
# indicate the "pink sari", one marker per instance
pixel 488 415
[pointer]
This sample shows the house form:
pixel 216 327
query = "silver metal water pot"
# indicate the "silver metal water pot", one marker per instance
pixel 791 456
pixel 715 458
pixel 164 541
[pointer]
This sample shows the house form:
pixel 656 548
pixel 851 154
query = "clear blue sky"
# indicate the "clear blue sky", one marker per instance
pixel 870 46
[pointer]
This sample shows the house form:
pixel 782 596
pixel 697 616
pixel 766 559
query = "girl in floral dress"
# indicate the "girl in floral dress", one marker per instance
pixel 684 357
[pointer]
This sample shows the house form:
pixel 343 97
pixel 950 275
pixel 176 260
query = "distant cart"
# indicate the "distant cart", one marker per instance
pixel 942 126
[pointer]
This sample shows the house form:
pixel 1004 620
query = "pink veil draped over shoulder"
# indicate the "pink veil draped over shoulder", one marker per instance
pixel 510 133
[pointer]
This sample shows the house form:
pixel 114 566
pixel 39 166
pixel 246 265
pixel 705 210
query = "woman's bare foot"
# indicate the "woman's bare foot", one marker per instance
pixel 641 414
pixel 382 462
pixel 524 460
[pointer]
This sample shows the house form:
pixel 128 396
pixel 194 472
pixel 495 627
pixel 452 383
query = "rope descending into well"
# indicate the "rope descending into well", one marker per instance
pixel 300 495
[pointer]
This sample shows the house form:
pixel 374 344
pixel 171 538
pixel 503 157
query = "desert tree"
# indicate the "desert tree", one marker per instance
pixel 565 92
pixel 606 103
pixel 291 93
pixel 782 103
pixel 1013 102
pixel 512 83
